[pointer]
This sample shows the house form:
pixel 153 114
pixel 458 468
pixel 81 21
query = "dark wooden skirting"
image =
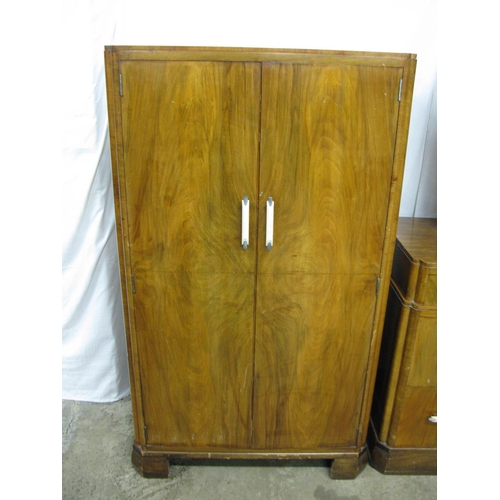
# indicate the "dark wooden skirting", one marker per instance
pixel 155 464
pixel 404 461
pixel 349 467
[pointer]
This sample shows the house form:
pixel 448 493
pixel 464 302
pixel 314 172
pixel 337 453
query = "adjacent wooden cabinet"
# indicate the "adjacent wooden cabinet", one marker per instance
pixel 267 351
pixel 403 437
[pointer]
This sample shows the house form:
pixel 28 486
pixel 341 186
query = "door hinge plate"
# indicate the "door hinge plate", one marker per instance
pixel 400 89
pixel 120 79
pixel 377 287
pixel 146 433
pixel 133 283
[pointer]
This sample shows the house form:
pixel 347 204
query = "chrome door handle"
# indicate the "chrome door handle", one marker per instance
pixel 269 223
pixel 245 222
pixel 433 419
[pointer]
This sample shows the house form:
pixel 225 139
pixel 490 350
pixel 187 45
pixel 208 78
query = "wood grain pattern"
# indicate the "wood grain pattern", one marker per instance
pixel 409 69
pixel 190 134
pixel 327 148
pixel 191 149
pixel 418 236
pixel 312 345
pixel 195 335
pixel 232 54
pixel 328 138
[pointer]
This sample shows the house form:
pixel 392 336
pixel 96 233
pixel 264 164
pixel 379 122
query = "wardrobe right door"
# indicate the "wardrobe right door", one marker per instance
pixel 327 146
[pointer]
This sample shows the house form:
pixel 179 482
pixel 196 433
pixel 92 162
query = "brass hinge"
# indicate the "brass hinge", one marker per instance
pixel 377 287
pixel 121 84
pixel 146 432
pixel 400 89
pixel 357 434
pixel 133 283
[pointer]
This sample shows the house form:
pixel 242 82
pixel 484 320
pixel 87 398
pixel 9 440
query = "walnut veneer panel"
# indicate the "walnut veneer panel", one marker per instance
pixel 195 337
pixel 312 346
pixel 190 134
pixel 327 150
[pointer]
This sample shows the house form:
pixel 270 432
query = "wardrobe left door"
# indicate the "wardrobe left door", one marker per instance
pixel 190 135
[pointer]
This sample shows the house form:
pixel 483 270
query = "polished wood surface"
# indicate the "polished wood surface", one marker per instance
pixel 406 387
pixel 312 346
pixel 418 236
pixel 234 54
pixel 327 134
pixel 415 261
pixel 255 353
pixel 190 134
pixel 327 148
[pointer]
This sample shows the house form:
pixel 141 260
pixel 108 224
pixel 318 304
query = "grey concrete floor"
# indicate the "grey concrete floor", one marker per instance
pixel 96 463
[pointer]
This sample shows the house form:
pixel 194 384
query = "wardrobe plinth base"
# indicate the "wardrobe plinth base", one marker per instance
pixel 156 464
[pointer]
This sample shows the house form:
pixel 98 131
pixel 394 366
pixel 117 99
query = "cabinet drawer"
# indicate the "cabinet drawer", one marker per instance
pixel 414 429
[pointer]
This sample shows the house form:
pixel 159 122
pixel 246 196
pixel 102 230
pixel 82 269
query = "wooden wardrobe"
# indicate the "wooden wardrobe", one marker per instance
pixel 257 195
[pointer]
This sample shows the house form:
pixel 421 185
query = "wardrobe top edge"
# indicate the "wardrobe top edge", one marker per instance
pixel 267 53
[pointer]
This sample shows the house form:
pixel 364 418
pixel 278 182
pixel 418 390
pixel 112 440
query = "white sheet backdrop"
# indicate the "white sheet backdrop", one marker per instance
pixel 94 359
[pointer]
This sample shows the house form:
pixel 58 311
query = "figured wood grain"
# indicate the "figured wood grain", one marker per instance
pixel 191 152
pixel 327 148
pixel 190 139
pixel 195 335
pixel 312 345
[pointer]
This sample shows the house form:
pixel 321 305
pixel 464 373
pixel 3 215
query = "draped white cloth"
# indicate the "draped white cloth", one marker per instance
pixel 94 357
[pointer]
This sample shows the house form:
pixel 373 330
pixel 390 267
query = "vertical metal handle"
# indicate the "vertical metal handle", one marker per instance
pixel 245 222
pixel 269 223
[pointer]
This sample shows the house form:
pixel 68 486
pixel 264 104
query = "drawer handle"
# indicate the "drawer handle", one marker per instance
pixel 245 222
pixel 269 223
pixel 433 419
